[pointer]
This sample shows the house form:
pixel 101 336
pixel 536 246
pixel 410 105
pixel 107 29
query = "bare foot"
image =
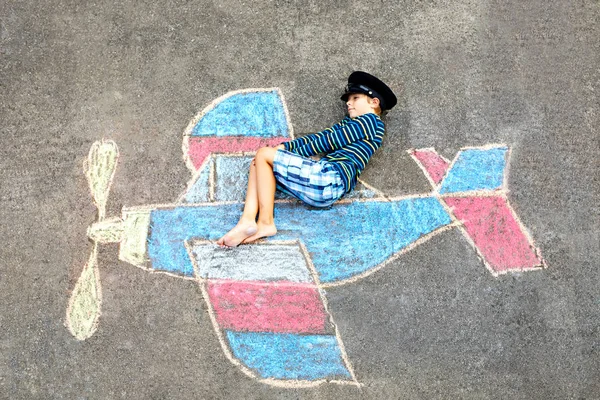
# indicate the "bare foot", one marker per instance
pixel 237 235
pixel 263 231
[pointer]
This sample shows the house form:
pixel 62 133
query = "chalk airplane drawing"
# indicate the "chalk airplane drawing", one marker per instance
pixel 267 300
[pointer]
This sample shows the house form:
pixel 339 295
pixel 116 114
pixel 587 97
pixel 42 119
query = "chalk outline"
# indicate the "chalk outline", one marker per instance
pixel 353 278
pixel 285 383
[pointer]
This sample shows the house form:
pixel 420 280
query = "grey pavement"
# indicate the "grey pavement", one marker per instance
pixel 434 324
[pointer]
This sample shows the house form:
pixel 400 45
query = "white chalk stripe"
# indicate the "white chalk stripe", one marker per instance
pixel 387 199
pixel 170 206
pixel 166 206
pixel 476 193
pixel 379 193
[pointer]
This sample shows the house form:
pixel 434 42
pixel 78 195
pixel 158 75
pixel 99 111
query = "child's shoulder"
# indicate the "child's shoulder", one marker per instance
pixel 370 119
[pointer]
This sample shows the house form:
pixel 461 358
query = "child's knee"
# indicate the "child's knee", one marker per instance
pixel 265 154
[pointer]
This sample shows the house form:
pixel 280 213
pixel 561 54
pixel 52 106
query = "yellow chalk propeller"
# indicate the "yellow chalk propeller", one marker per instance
pixel 85 302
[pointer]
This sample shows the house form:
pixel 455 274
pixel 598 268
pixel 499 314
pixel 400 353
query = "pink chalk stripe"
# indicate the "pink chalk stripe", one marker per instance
pixel 201 147
pixel 496 233
pixel 433 163
pixel 281 307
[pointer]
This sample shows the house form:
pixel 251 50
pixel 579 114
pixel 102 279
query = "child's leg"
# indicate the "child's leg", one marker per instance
pixel 246 226
pixel 260 195
pixel 265 187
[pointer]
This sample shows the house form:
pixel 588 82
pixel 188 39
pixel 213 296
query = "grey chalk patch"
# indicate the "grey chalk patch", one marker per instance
pixel 231 177
pixel 256 262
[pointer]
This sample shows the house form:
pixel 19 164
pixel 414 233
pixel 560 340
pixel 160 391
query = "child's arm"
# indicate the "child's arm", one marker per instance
pixel 361 151
pixel 364 127
pixel 306 139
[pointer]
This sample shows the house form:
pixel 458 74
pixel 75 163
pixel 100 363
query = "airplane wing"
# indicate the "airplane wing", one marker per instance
pixel 240 121
pixel 270 314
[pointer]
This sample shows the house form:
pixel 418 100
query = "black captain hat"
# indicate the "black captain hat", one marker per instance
pixel 361 82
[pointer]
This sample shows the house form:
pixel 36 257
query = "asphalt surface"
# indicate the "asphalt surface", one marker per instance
pixel 432 324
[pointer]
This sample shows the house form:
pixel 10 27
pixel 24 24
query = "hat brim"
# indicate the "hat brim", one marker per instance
pixel 363 90
pixel 347 94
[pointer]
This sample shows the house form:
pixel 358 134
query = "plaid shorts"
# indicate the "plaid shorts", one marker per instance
pixel 316 183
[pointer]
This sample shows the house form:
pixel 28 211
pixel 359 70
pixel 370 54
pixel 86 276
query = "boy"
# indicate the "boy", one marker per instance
pixel 348 146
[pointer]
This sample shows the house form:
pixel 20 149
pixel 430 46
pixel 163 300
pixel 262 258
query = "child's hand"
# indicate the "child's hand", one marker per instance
pixel 280 147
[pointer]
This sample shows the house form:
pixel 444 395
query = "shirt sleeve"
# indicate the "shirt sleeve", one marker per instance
pixel 348 131
pixel 294 145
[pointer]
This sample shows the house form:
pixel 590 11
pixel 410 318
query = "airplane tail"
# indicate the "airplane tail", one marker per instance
pixel 473 188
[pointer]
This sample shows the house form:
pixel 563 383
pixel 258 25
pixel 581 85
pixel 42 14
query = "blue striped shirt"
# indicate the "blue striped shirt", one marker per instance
pixel 348 145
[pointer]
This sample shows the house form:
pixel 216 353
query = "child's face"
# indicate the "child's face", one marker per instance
pixel 359 104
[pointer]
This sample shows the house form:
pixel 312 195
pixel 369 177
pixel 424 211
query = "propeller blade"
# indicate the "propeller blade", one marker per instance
pixel 84 306
pixel 99 169
pixel 83 311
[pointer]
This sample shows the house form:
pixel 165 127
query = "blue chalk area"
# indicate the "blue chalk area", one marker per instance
pixel 476 169
pixel 245 114
pixel 289 356
pixel 344 241
pixel 349 239
pixel 171 228
pixel 198 192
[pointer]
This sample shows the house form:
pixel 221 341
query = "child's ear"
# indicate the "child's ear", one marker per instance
pixel 375 101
